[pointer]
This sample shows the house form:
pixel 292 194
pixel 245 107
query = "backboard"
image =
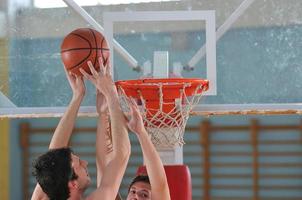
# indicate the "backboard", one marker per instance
pixel 249 50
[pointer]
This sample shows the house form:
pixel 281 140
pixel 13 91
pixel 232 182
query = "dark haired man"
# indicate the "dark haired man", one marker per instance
pixel 71 181
pixel 140 188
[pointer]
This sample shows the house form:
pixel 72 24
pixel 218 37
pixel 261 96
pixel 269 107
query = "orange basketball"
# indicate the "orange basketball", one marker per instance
pixel 82 45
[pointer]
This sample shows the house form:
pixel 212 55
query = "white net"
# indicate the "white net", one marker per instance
pixel 166 128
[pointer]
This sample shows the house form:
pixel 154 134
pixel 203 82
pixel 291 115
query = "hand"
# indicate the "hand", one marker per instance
pixel 135 124
pixel 102 80
pixel 77 84
pixel 101 104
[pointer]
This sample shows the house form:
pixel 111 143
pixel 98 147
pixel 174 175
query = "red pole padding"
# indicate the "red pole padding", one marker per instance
pixel 179 180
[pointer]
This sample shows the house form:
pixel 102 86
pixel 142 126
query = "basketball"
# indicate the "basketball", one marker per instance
pixel 82 45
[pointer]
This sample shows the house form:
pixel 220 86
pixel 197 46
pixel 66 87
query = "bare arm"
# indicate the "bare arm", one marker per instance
pixel 115 169
pixel 103 137
pixel 64 129
pixel 155 169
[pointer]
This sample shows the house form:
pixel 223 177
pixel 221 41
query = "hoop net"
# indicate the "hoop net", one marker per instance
pixel 165 105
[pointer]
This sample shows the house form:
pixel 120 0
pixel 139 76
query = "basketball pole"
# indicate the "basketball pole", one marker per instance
pixel 173 155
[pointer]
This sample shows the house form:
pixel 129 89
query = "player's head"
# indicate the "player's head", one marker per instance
pixel 58 171
pixel 140 188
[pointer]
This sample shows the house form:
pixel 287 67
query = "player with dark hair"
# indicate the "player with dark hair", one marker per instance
pixel 53 172
pixel 63 175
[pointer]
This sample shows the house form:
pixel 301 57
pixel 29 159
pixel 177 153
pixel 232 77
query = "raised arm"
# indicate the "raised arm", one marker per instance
pixel 115 169
pixel 103 143
pixel 155 169
pixel 64 129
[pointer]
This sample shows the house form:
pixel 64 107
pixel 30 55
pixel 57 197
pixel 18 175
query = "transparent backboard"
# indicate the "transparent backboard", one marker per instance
pixel 250 50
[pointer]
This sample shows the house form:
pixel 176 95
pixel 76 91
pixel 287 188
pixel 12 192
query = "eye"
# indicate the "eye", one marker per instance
pixel 132 191
pixel 144 195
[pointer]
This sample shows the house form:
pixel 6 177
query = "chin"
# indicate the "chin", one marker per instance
pixel 87 184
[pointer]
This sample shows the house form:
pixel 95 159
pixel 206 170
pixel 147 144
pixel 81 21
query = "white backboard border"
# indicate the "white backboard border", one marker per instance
pixel 201 15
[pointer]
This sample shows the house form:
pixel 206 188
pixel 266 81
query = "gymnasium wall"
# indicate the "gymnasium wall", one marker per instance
pixel 53 90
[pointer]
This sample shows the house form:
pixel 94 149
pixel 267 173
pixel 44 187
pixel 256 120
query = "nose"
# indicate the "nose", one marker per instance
pixel 133 197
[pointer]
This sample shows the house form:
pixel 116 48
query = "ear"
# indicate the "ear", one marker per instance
pixel 73 184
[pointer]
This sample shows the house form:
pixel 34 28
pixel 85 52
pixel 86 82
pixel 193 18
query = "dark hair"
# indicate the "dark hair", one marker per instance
pixel 53 171
pixel 139 178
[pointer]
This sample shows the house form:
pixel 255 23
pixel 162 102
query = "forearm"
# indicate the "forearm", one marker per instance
pixel 152 161
pixel 64 129
pixel 120 138
pixel 103 145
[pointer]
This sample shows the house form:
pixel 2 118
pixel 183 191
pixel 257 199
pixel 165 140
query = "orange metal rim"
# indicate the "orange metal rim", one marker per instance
pixel 172 83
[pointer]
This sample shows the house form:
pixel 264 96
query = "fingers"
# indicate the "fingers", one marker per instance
pixel 106 69
pixel 102 67
pixel 108 66
pixel 71 77
pixel 79 79
pixel 86 75
pixel 134 110
pixel 92 70
pixel 133 103
pixel 130 104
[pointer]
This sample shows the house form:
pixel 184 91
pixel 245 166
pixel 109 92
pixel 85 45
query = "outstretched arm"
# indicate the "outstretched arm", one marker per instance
pixel 103 143
pixel 115 169
pixel 155 169
pixel 64 129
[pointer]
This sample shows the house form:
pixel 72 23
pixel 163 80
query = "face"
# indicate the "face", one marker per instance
pixel 139 191
pixel 80 168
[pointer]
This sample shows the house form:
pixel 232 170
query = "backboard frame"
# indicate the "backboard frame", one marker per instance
pixel 197 15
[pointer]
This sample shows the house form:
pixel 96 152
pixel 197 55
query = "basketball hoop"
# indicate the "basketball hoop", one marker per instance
pixel 165 105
